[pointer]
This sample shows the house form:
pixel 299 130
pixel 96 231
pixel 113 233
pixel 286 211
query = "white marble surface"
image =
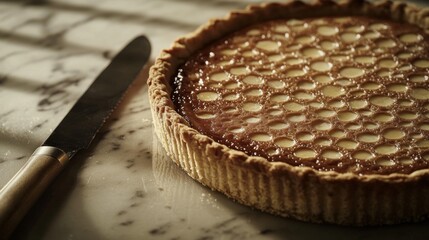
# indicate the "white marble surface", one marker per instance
pixel 123 187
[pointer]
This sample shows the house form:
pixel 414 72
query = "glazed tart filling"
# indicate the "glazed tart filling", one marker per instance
pixel 334 94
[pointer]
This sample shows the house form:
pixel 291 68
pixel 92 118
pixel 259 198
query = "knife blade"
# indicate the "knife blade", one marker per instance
pixel 74 133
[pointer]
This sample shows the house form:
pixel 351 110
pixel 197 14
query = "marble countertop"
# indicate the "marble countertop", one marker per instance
pixel 123 186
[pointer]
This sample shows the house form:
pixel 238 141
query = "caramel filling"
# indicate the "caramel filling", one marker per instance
pixel 335 94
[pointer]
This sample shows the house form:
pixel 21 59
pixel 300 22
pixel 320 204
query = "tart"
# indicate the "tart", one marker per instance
pixel 318 112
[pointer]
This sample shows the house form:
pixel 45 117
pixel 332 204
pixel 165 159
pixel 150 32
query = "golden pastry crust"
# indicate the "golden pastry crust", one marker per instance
pixel 276 187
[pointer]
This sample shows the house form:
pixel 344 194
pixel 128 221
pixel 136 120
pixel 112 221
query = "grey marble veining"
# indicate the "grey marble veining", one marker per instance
pixel 124 186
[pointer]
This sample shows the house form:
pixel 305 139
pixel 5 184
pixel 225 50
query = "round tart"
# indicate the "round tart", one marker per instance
pixel 318 112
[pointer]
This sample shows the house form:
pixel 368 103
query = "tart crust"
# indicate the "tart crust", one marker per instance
pixel 276 187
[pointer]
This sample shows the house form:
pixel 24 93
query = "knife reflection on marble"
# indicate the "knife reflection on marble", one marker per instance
pixel 74 133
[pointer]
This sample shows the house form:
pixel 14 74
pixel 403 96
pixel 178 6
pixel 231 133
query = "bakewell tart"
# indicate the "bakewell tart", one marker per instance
pixel 319 112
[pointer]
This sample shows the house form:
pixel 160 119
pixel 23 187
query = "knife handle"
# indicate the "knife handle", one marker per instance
pixel 20 193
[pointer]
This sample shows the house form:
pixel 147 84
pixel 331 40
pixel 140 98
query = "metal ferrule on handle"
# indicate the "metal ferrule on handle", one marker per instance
pixel 20 193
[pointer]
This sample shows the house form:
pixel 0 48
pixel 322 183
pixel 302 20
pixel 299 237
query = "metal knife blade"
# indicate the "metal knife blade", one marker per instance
pixel 78 128
pixel 75 132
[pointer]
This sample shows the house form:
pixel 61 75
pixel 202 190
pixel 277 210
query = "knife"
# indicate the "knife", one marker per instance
pixel 74 133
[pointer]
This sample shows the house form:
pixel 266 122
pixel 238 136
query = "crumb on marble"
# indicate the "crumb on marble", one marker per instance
pixel 127 223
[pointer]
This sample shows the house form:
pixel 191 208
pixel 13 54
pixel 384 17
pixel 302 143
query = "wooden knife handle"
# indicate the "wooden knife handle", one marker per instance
pixel 20 193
